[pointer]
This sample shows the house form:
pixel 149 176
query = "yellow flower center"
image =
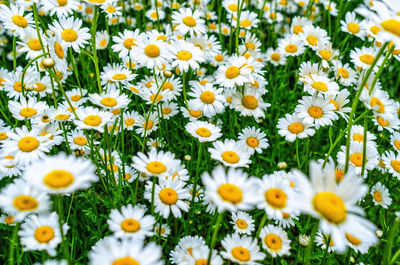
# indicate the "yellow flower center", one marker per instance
pixel 296 127
pixel 119 77
pixel 155 97
pixel 166 110
pixel 156 167
pixel 3 136
pixel 219 58
pixel 168 85
pixel 320 86
pixel 330 206
pixel 325 54
pixel 276 198
pixel 92 120
pixel 312 40
pixel 273 242
pixel 230 157
pixel 335 104
pixel 397 144
pixel 201 262
pixel 250 102
pixel 194 113
pixel 125 261
pixel 230 193
pixel 275 57
pixel 391 25
pixel 34 44
pixel 80 140
pixel 203 132
pixel 103 43
pixel 382 122
pixel 152 51
pixel 376 101
pixel 339 175
pixel 58 179
pixel 250 46
pixel 245 23
pixel 315 112
pixel 207 97
pixel 20 21
pixel 25 203
pixel 62 2
pixel 17 86
pixel 233 7
pixel 110 9
pixel 297 29
pixel 356 159
pixel 343 73
pixel 129 42
pixel 59 50
pixel 69 35
pixel 252 142
pixel 291 48
pixel 353 28
pixel 377 196
pixel 168 196
pixel 358 137
pixel 27 112
pixel 129 121
pixel 232 72
pixel 189 21
pixel 184 55
pixel 241 254
pixel 148 125
pixel 75 98
pixel 396 165
pixel 39 87
pixel 241 224
pixel 352 239
pixel 367 59
pixel 9 220
pixel 130 225
pixel 44 234
pixel 28 144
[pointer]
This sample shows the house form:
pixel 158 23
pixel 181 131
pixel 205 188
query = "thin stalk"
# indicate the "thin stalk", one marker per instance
pixel 95 58
pixel 214 236
pixel 14 50
pixel 261 225
pixel 12 244
pixel 380 70
pixel 26 68
pixel 184 89
pixel 364 159
pixel 297 153
pixel 63 241
pixel 238 26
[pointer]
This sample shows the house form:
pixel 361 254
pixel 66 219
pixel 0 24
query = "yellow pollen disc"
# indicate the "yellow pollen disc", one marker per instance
pixel 28 144
pixel 203 82
pixel 335 104
pixel 250 102
pixel 330 206
pixel 58 179
pixel 20 21
pixel 219 58
pixel 201 262
pixel 149 84
pixel 291 48
pixel 130 225
pixel 92 120
pixel 168 196
pixel 62 117
pixel 353 28
pixel 315 112
pixel 3 136
pixel 325 54
pixel 320 86
pixel 110 9
pixel 80 140
pixel 245 23
pixel 155 97
pixel 59 50
pixel 203 132
pixel 129 121
pixel 276 198
pixel 367 59
pixel 9 220
pixel 156 167
pixel 207 97
pixel 391 25
pixel 250 46
pixel 233 7
pixel 241 224
pixel 356 159
pixel 76 98
pixel 230 193
pixel 339 175
pixel 352 239
pixel 44 234
pixel 103 43
pixel 69 35
pixel 119 77
pixel 397 144
pixel 252 142
pixel 194 113
pixel 381 164
pixel 34 44
pixel 382 122
pixel 18 87
pixel 168 85
pixel 395 165
pixel 129 42
pixel 166 110
pixel 358 137
pixel 285 215
pixel 152 51
pixel 296 128
pixel 27 112
pixel 25 203
pixel 312 40
pixel 273 242
pixel 189 21
pixel 232 72
pixel 377 196
pixel 2 81
pixel 184 55
pixel 275 57
pixel 230 157
pixel 125 261
pixel 39 87
pixel 297 29
pixel 343 73
pixel 148 125
pixel 376 101
pixel 62 2
pixel 241 254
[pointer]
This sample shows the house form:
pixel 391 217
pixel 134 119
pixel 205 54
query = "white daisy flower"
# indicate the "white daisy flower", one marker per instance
pixel 292 127
pixel 242 223
pixel 230 153
pixel 242 250
pixel 275 241
pixel 380 195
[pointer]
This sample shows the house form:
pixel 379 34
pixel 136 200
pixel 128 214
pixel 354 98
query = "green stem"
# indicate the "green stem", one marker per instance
pixel 261 225
pixel 214 236
pixel 95 58
pixel 364 159
pixel 14 53
pixel 380 70
pixel 297 153
pixel 310 246
pixel 184 89
pixel 65 250
pixel 26 68
pixel 238 26
pixel 12 244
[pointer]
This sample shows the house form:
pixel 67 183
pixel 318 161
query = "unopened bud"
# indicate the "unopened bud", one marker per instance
pixel 49 33
pixel 167 73
pixel 187 157
pixel 48 62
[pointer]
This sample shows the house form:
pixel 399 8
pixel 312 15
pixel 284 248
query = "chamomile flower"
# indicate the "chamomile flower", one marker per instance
pixel 77 140
pixel 186 245
pixel 57 50
pixel 345 75
pixel 146 126
pixel 312 36
pixel 291 45
pixel 61 174
pixel 27 109
pixel 150 52
pixel 275 57
pixel 62 8
pixel 110 99
pixel 102 40
pixel 156 163
pixel 115 74
pixel 13 19
pixel 242 222
pixel 230 153
pixel 316 110
pixel 42 232
pixel 249 103
pixel 392 162
pixel 275 241
pixel 241 250
pixel 298 23
pixel 111 9
pixel 92 118
pixel 321 84
pixel 203 131
pixel 207 99
pixel 230 190
pixel 169 196
pixel 71 32
pixel 395 141
pixel 292 127
pixel 188 21
pixel 357 135
pixel 20 200
pixel 356 157
pixel 248 20
pixel 380 195
pixel 185 55
pixel 125 42
pixel 254 139
pixel 31 44
pixel 364 57
pixel 131 222
pixel 352 25
pixel 234 73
